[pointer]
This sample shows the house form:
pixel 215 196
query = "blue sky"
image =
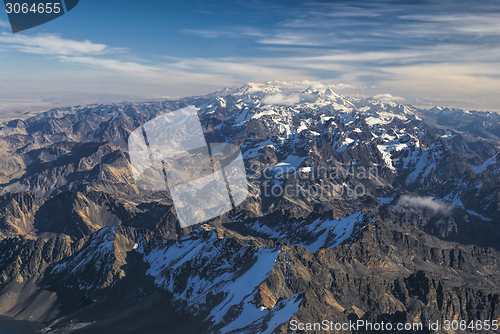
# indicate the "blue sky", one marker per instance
pixel 420 52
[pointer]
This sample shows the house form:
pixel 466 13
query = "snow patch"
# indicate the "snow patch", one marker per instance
pixel 486 164
pixel 385 200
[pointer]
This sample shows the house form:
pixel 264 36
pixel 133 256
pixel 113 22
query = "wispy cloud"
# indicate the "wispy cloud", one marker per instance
pixel 208 33
pixel 4 24
pixel 281 99
pixel 228 31
pixel 49 44
pixel 387 97
pixel 293 39
pixel 423 203
pixel 374 34
pixel 71 51
pixel 479 24
pixel 113 64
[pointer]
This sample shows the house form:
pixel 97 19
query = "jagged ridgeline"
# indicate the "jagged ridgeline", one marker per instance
pixel 357 209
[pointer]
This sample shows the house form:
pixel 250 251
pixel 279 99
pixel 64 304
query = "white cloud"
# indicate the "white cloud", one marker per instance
pixel 292 39
pixel 423 203
pixel 71 51
pixel 112 64
pixel 49 44
pixel 4 24
pixel 472 24
pixel 240 68
pixel 387 97
pixel 280 99
pixel 206 33
pixel 343 86
pixel 316 85
pixel 233 32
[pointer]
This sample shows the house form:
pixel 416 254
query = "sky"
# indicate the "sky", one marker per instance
pixel 420 52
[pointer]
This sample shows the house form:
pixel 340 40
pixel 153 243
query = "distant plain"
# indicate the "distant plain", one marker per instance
pixel 27 104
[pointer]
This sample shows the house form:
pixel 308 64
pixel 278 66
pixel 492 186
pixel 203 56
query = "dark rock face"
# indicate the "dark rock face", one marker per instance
pixel 390 214
pixel 17 212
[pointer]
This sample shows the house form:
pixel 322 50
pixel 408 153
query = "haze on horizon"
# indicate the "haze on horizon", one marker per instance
pixel 427 53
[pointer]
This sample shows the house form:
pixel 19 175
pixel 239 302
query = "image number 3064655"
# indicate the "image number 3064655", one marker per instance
pixel 26 14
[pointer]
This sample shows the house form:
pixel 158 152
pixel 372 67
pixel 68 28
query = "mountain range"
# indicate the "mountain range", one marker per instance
pixel 358 209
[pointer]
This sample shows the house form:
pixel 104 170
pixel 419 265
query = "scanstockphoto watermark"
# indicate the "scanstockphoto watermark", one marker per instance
pixel 351 171
pixel 334 182
pixel 455 325
pixel 354 326
pixel 312 191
